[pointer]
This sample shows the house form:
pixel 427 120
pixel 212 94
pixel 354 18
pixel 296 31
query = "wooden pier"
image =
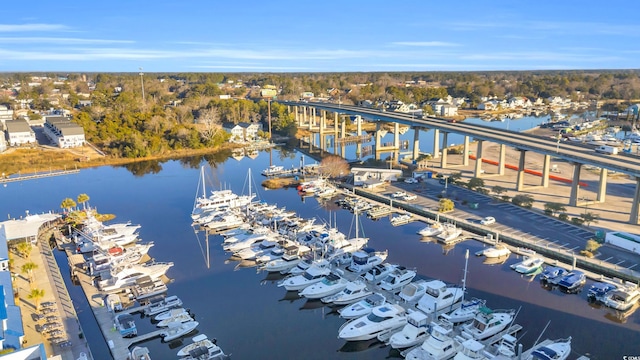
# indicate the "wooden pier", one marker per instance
pixel 379 211
pixel 40 175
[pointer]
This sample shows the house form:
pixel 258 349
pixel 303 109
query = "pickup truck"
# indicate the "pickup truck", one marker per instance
pixel 399 194
pixel 409 197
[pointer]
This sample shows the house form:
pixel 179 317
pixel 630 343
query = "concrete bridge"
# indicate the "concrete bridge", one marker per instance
pixel 313 116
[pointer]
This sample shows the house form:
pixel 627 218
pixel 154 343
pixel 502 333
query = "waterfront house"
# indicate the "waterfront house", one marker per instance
pixel 63 132
pixel 362 176
pixel 5 114
pixel 242 132
pixel 19 132
pixel 448 110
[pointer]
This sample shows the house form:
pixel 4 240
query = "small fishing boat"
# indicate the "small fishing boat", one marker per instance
pixel 528 266
pixel 140 353
pixel 176 330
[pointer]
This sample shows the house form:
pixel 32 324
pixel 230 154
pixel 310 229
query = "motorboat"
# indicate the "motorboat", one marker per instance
pixel 471 350
pixel 113 303
pixel 528 266
pixel 401 219
pixel 439 297
pixel 551 350
pixel 487 323
pixel 431 230
pixel 170 313
pixel 397 279
pixel 256 250
pixel 245 243
pixel 273 170
pixel 162 305
pixel 413 333
pixel 177 318
pixel 376 274
pixel 383 318
pixel 126 325
pixel 127 275
pixel 413 291
pixel 355 291
pixel 439 345
pixel 573 281
pixel 497 251
pixel 552 275
pixel 206 353
pixel 225 222
pixel 140 353
pixel 599 290
pixel 176 330
pixel 306 263
pixel 198 341
pixel 146 288
pixel 365 259
pixel 622 298
pixel 505 348
pixel 362 307
pixel 331 284
pixel 466 312
pixel 291 257
pixel 449 233
pixel 326 191
pixel 311 276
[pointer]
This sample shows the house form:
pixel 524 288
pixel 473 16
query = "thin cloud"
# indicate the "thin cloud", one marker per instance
pixel 252 67
pixel 58 40
pixel 424 43
pixel 32 27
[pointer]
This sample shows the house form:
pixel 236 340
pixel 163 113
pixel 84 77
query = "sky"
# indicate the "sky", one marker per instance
pixel 317 36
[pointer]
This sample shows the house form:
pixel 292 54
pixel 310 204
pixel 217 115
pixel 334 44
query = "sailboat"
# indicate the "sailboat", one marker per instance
pixel 468 308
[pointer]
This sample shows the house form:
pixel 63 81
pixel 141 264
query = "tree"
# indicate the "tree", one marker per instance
pixel 24 249
pixel 445 205
pixel 27 268
pixel 475 183
pixel 36 295
pixel 524 200
pixel 334 166
pixel 589 217
pixel 82 199
pixel 552 208
pixel 498 190
pixel 455 177
pixel 68 204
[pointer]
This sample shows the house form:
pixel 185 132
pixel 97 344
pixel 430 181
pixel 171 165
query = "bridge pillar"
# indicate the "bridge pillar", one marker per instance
pixel 296 114
pixel 376 144
pixel 443 159
pixel 575 185
pixel 304 114
pixel 602 185
pixel 501 160
pixel 396 136
pixel 520 180
pixel 436 143
pixel 343 148
pixel 343 127
pixel 358 125
pixel 335 123
pixel 416 143
pixel 545 171
pixel 465 151
pixel 478 169
pixel 633 217
pixel 313 116
pixel 323 121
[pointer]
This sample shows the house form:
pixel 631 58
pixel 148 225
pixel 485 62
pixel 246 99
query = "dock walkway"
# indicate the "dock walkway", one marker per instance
pixel 38 175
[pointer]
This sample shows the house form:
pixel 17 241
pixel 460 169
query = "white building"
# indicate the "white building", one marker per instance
pixel 448 110
pixel 19 132
pixel 3 142
pixel 63 132
pixel 242 132
pixel 5 114
pixel 368 176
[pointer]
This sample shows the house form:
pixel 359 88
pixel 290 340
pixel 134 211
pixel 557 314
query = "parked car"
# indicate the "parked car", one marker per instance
pixel 410 180
pixel 399 194
pixel 488 220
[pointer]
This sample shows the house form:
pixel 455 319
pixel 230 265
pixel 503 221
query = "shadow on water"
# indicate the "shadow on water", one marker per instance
pixel 290 296
pixel 312 304
pixel 272 278
pixel 363 345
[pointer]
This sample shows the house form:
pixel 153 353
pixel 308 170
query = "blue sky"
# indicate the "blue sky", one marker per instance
pixel 314 36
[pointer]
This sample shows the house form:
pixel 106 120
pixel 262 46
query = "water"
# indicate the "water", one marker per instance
pixel 254 319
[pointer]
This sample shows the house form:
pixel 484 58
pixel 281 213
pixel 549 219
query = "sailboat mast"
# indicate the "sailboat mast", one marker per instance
pixel 204 192
pixel 464 276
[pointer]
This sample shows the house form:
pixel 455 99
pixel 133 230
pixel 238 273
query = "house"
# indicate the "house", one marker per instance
pixel 3 142
pixel 370 176
pixel 83 103
pixel 306 95
pixel 242 132
pixel 5 114
pixel 448 110
pixel 63 132
pixel 19 132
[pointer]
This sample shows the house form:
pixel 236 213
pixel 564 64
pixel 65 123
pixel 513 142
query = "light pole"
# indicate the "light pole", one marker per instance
pixel 558 143
pixel 142 82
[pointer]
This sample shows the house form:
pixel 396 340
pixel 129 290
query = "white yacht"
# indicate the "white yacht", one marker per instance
pixel 471 350
pixel 550 350
pixel 330 285
pixel 355 291
pixel 140 353
pixel 162 305
pixel 379 272
pixel 245 243
pixel 622 298
pixel 528 266
pixel 256 250
pixel 365 259
pixel 413 291
pixel 198 341
pixel 225 222
pixel 449 233
pixel 362 307
pixel 291 257
pixel 439 345
pixel 307 263
pixel 439 297
pixel 488 323
pixel 176 330
pixel 382 318
pixel 167 314
pixel 413 333
pixel 466 312
pixel 127 275
pixel 273 170
pixel 273 254
pixel 431 230
pixel 397 279
pixel 311 276
pixel 497 251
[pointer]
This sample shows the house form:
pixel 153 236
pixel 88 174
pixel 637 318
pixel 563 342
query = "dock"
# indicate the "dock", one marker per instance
pixel 379 211
pixel 37 175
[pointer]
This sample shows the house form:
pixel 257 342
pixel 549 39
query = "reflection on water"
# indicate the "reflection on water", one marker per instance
pixel 359 346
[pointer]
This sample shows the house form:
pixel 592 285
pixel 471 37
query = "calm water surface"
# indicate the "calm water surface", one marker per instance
pixel 254 319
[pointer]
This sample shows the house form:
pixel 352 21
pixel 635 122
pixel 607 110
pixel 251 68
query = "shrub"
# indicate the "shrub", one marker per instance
pixel 586 253
pixel 505 198
pixel 577 221
pixel 563 217
pixel 548 212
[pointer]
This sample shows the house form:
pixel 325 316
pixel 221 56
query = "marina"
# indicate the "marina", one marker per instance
pixel 310 314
